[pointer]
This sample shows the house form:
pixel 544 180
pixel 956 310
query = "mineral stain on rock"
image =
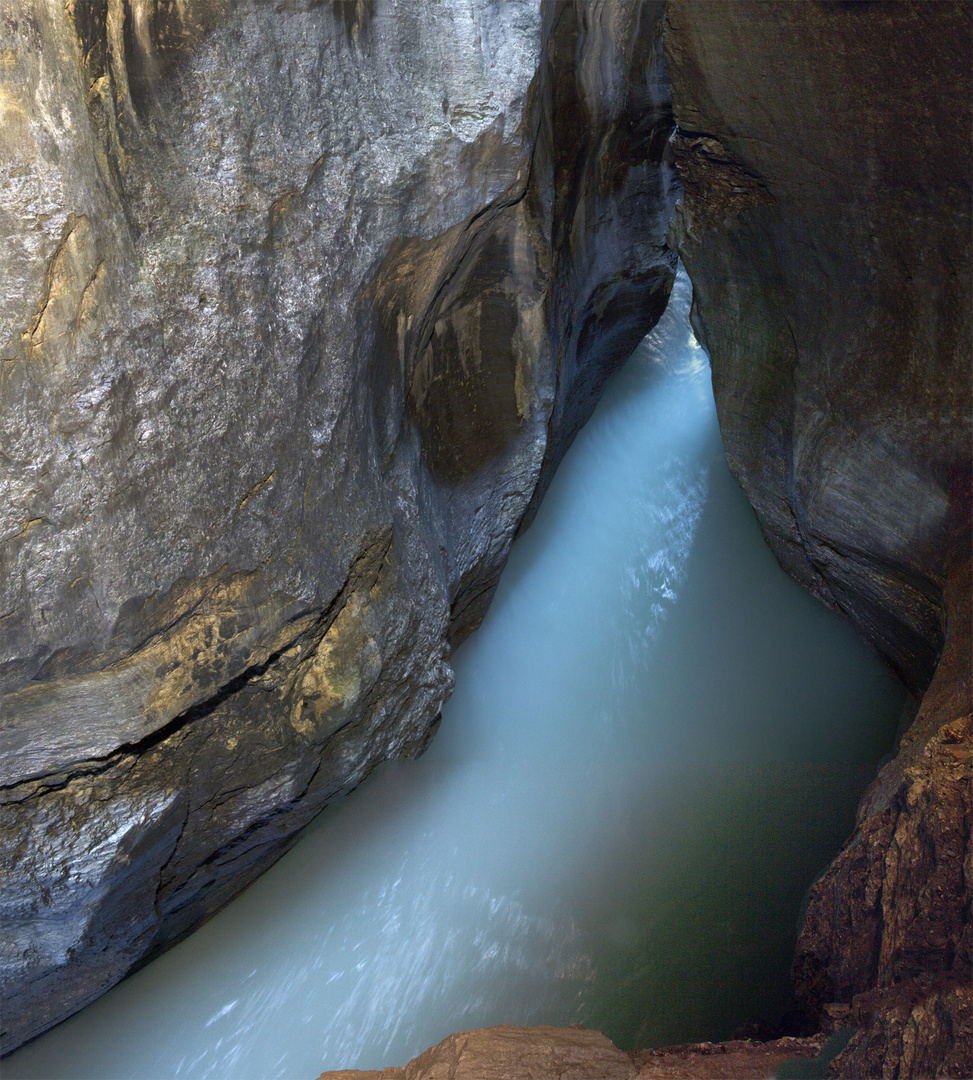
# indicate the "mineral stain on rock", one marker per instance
pixel 284 369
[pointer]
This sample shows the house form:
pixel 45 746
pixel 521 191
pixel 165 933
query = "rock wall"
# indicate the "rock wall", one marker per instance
pixel 888 933
pixel 302 303
pixel 826 225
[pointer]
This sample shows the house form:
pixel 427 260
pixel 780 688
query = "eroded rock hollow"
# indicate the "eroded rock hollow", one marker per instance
pixel 302 303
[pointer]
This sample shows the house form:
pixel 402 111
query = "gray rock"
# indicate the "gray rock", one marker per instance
pixel 826 226
pixel 302 302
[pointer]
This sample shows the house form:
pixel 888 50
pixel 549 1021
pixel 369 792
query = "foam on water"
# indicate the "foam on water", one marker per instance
pixel 656 741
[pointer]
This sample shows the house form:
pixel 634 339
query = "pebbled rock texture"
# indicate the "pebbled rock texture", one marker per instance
pixel 826 225
pixel 301 304
pixel 738 1059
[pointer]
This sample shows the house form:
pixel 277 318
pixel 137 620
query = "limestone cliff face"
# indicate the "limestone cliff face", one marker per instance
pixel 301 304
pixel 825 223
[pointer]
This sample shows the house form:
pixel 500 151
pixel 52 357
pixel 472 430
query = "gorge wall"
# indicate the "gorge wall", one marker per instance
pixel 825 223
pixel 302 303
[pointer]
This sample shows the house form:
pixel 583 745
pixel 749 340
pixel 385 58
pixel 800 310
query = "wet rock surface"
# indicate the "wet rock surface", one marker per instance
pixel 825 223
pixel 302 303
pixel 737 1059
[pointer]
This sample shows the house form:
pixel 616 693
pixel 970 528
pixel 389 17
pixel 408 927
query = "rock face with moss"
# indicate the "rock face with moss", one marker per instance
pixel 302 303
pixel 826 225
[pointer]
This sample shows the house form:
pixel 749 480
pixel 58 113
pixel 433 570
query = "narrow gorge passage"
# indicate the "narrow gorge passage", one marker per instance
pixel 656 741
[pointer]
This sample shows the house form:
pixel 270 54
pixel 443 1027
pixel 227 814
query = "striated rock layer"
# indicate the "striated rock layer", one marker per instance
pixel 302 302
pixel 826 226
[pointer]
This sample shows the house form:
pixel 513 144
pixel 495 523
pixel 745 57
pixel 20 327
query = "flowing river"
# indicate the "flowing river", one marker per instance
pixel 656 742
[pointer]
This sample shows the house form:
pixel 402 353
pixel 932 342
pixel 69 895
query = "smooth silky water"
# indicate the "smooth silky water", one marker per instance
pixel 656 742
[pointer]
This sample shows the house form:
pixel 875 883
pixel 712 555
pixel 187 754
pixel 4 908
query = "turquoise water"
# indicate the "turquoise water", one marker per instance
pixel 656 742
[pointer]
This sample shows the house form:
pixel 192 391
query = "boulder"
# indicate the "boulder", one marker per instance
pixel 528 1053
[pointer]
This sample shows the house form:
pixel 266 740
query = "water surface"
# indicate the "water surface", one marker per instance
pixel 657 740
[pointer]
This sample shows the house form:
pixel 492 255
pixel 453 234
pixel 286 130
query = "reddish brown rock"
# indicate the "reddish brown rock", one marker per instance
pixel 740 1059
pixel 888 926
pixel 576 1053
pixel 923 1028
pixel 499 1053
